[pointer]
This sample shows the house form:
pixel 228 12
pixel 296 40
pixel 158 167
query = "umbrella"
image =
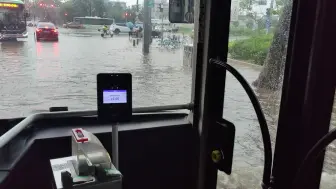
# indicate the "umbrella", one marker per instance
pixel 130 24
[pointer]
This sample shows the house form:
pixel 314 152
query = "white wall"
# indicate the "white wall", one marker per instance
pixel 261 9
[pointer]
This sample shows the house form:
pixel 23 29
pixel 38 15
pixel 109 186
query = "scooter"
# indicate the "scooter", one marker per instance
pixel 104 33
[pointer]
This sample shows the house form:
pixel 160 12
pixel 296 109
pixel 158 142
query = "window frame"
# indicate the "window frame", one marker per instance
pixel 300 114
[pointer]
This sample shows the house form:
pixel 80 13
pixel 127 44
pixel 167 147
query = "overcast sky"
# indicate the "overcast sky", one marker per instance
pixel 132 2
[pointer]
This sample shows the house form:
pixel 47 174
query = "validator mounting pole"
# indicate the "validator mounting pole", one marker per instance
pixel 115 149
pixel 114 101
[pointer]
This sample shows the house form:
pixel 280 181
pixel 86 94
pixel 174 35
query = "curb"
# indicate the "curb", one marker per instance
pixel 243 62
pixel 235 61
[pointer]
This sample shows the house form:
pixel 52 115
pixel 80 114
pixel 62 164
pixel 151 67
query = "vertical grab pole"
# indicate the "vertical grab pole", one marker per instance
pixel 115 150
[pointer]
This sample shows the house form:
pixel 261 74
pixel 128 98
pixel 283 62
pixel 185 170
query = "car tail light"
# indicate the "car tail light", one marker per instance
pixel 38 30
pixel 55 30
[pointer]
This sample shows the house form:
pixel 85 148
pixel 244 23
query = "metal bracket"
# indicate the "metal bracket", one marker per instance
pixel 222 152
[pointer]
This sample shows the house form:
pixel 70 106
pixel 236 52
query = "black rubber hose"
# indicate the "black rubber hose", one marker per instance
pixel 313 154
pixel 261 118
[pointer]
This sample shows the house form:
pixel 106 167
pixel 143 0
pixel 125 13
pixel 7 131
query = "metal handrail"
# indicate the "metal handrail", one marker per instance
pixel 25 123
pixel 312 156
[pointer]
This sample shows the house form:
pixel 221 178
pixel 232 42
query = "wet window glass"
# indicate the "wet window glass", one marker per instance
pixel 257 49
pixel 57 69
pixel 92 21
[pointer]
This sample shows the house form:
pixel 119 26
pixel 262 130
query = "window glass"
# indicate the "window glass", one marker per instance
pixel 257 49
pixel 36 75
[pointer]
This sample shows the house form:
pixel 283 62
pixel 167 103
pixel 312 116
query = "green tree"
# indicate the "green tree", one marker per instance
pixel 272 73
pixel 88 7
pixel 277 10
pixel 66 11
pixel 115 11
pixel 280 3
pixel 81 7
pixel 235 24
pixel 262 23
pixel 245 7
pixel 132 13
pixel 98 8
pixel 249 24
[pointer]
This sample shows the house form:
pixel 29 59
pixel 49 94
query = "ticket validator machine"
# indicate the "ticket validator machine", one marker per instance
pixel 90 165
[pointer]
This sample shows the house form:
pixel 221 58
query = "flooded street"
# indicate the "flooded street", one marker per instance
pixel 38 75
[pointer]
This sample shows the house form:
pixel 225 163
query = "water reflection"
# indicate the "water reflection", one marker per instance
pixel 38 49
pixel 12 47
pixel 46 70
pixel 55 49
pixel 11 58
pixel 43 48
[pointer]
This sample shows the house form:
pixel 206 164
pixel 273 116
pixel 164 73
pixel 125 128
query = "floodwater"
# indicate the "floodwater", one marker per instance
pixel 39 75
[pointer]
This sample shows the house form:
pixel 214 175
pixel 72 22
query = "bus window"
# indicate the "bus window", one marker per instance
pixel 76 19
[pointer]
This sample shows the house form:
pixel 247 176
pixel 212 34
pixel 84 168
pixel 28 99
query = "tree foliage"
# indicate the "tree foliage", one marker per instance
pixel 66 10
pixel 88 7
pixel 245 7
pixel 115 10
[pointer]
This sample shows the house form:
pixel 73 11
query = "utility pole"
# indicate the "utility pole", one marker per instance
pixel 90 7
pixel 147 27
pixel 35 10
pixel 137 11
pixel 269 17
pixel 161 12
pixel 126 14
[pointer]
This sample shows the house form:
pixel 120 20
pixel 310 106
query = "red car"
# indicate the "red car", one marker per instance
pixel 46 31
